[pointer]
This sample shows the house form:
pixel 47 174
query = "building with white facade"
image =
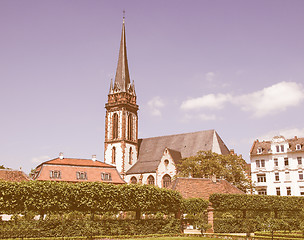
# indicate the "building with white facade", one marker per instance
pixel 277 166
pixel 150 160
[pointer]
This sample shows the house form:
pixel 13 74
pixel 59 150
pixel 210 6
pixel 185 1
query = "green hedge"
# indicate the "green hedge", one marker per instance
pixel 74 228
pixel 255 202
pixel 55 197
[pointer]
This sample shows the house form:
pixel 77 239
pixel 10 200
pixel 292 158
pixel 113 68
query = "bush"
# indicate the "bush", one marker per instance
pixel 88 228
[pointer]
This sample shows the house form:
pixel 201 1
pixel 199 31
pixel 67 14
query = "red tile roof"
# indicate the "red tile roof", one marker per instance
pixel 68 168
pixel 202 187
pixel 77 162
pixel 13 175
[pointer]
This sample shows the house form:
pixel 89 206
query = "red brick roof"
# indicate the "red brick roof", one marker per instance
pixel 77 162
pixel 70 167
pixel 202 187
pixel 13 175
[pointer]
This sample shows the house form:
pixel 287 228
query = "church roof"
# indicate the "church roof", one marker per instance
pixel 202 187
pixel 180 146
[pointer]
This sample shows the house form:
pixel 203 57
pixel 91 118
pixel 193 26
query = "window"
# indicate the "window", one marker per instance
pixel 287 176
pixel 301 190
pixel 81 176
pixel 166 180
pixel 262 192
pixel 278 148
pixel 259 150
pixel 257 163
pixel 55 174
pixel 299 160
pixel 298 147
pixel 300 175
pixel 261 177
pixel 166 162
pixel 130 156
pixel 276 162
pixel 130 127
pixel 115 126
pixel 113 155
pixel 106 176
pixel 278 190
pixel 288 190
pixel 151 180
pixel 282 148
pixel 133 180
pixel 286 163
pixel 277 176
pixel 262 163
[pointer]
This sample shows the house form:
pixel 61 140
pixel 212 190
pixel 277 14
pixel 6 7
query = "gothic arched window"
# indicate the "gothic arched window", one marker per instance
pixel 130 156
pixel 113 155
pixel 133 180
pixel 115 126
pixel 151 180
pixel 130 127
pixel 166 180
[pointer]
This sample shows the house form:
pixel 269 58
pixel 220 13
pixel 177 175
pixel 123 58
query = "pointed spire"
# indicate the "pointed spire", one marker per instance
pixel 122 78
pixel 111 86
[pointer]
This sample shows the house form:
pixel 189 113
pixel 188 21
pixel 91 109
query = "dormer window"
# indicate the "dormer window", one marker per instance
pixel 106 176
pixel 278 148
pixel 298 147
pixel 282 148
pixel 259 150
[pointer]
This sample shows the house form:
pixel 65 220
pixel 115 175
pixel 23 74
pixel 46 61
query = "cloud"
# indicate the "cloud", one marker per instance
pixel 206 117
pixel 287 133
pixel 40 159
pixel 271 100
pixel 155 105
pixel 210 76
pixel 202 117
pixel 214 101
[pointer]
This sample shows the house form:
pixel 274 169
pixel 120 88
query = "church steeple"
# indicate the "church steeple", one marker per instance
pixel 121 123
pixel 122 78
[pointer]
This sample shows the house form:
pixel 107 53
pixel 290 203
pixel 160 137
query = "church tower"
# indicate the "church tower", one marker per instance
pixel 121 123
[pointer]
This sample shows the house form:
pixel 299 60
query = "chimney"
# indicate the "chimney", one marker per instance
pixel 213 178
pixel 61 155
pixel 232 151
pixel 94 158
pixel 296 138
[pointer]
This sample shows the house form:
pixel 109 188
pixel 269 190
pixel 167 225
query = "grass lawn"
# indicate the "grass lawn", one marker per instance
pixel 173 238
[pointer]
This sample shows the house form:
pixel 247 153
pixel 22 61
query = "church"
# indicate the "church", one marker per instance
pixel 128 159
pixel 149 160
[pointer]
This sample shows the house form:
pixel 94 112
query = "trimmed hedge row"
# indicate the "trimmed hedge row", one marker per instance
pixel 255 202
pixel 74 228
pixel 251 225
pixel 88 197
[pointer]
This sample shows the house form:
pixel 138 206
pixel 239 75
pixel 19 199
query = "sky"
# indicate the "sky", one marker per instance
pixel 234 66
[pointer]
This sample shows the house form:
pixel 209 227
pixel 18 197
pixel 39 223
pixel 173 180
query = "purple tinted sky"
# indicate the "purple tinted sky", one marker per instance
pixel 234 66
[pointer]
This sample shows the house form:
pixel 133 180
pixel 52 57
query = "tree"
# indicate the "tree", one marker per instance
pixel 206 164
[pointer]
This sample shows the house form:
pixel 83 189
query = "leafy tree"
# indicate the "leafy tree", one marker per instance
pixel 206 164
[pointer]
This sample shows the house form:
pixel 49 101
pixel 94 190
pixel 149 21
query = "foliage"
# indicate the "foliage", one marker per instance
pixel 206 164
pixel 67 228
pixel 255 202
pixel 194 205
pixel 88 197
